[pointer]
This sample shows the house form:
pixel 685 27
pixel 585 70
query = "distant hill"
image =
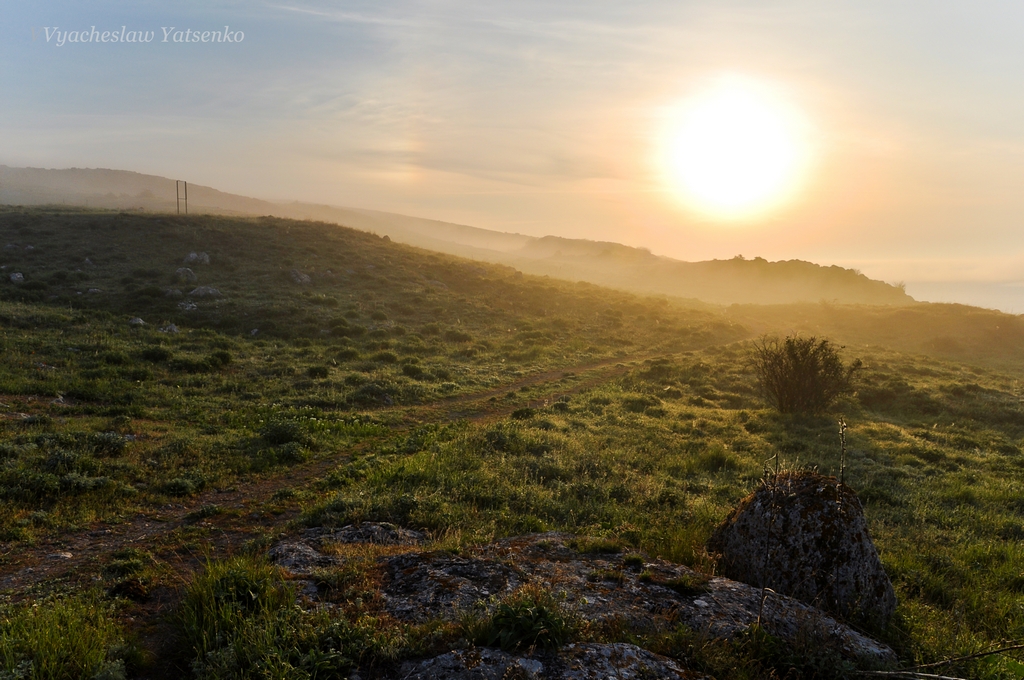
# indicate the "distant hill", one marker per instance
pixel 718 282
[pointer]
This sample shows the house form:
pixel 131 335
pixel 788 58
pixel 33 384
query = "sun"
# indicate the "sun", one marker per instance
pixel 735 151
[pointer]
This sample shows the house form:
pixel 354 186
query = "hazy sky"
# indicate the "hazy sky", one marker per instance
pixel 547 118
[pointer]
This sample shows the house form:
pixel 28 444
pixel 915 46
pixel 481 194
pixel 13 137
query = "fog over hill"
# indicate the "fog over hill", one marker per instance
pixel 720 282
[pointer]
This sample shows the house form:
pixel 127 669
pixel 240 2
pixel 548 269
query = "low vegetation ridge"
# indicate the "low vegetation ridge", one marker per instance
pixel 180 394
pixel 719 282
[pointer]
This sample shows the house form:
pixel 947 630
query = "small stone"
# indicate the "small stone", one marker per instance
pixel 136 321
pixel 197 258
pixel 185 274
pixel 17 277
pixel 300 278
pixel 299 558
pixel 205 291
pixel 169 328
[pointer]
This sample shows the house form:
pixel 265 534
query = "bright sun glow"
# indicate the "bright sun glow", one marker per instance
pixel 735 151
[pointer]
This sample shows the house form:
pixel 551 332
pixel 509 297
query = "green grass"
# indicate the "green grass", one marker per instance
pixel 239 619
pixel 63 638
pixel 407 376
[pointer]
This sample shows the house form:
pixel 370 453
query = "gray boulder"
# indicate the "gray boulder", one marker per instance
pixel 17 277
pixel 300 278
pixel 298 558
pixel 197 258
pixel 185 274
pixel 573 662
pixel 380 533
pixel 204 291
pixel 819 549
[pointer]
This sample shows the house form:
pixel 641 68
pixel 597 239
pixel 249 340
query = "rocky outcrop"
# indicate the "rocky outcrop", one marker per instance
pixel 573 662
pixel 633 592
pixel 818 549
pixel 380 533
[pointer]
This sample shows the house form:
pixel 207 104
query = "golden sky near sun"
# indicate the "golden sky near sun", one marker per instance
pixel 735 150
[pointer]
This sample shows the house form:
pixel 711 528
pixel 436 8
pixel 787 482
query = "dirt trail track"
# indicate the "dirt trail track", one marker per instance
pixel 76 555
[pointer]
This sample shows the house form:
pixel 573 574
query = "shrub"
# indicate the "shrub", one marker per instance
pixel 278 432
pixel 801 375
pixel 156 354
pixel 318 371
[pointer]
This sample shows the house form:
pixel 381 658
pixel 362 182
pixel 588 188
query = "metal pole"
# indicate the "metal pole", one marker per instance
pixel 181 194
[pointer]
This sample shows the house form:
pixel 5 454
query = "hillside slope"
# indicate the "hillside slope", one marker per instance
pixel 608 264
pixel 180 395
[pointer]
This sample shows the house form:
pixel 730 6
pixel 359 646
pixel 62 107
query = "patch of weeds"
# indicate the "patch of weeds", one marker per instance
pixel 278 432
pixel 203 512
pixel 156 354
pixel 63 637
pixel 598 546
pixel 285 494
pixel 183 486
pixel 239 619
pixel 318 372
pixel 528 618
pixel 685 584
pixel 132 588
pixel 127 562
pixel 613 575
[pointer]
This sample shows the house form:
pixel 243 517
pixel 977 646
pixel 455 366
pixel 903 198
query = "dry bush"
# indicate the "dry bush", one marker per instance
pixel 801 375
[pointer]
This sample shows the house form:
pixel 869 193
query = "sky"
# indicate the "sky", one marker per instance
pixel 551 118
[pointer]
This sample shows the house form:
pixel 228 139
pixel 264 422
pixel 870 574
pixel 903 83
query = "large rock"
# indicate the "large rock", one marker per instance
pixel 818 548
pixel 573 662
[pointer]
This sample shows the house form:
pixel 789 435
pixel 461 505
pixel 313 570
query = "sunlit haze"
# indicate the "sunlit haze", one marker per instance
pixel 878 136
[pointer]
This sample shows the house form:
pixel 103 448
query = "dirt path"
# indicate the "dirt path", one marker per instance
pixel 243 513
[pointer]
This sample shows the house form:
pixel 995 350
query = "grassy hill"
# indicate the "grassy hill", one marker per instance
pixel 613 265
pixel 338 376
